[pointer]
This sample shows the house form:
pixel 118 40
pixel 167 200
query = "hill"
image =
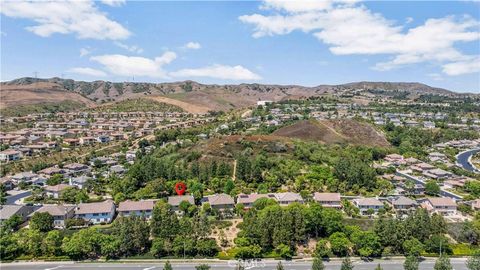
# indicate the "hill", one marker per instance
pixel 334 131
pixel 41 92
pixel 192 96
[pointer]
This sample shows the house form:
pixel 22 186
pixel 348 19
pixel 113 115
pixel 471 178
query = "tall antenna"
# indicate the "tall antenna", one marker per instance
pixel 36 79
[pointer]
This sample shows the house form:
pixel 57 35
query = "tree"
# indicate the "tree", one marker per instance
pixel 318 264
pixel 3 194
pixel 473 262
pixel 339 243
pixel 133 233
pixel 346 264
pixel 413 247
pixel 284 251
pixel 443 263
pixel 280 266
pixel 322 249
pixel 366 243
pixel 432 188
pixel 55 179
pixel 411 263
pixel 42 222
pixel 164 223
pixel 202 267
pixel 167 266
pixel 51 244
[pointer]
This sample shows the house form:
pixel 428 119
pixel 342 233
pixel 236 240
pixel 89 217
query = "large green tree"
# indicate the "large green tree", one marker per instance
pixel 42 222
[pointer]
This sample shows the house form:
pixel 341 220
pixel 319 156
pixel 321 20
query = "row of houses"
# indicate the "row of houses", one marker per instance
pixel 106 211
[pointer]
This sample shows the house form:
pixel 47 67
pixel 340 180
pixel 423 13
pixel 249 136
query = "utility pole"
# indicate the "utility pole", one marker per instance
pixel 36 79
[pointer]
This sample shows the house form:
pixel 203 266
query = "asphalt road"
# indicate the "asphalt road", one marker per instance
pixel 457 263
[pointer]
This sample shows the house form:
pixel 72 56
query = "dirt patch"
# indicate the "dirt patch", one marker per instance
pixel 334 131
pixel 189 107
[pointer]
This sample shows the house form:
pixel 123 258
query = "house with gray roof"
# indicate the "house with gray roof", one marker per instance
pixel 219 202
pixel 286 198
pixel 95 213
pixel 403 204
pixel 364 204
pixel 331 200
pixel 142 208
pixel 7 211
pixel 60 213
pixel 248 199
pixel 175 201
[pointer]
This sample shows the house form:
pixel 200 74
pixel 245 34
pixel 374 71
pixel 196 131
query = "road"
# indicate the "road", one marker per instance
pixel 396 264
pixel 463 159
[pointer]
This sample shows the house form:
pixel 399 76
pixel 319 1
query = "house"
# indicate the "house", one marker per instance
pixel 437 174
pixel 7 211
pixel 77 168
pixel 443 206
pixel 435 157
pixel 287 198
pixel 248 199
pixel 117 169
pixel 79 181
pixel 429 125
pixel 52 170
pixel 403 203
pixel 60 213
pixel 143 208
pixel 26 177
pixel 10 155
pixel 364 204
pixel 103 139
pixel 221 202
pixel 330 200
pixel 55 191
pixel 86 140
pixel 7 183
pixel 420 167
pixel 95 213
pixel 393 158
pixel 175 201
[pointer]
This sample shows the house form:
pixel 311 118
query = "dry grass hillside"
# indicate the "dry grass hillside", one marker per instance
pixel 334 131
pixel 189 95
pixel 42 92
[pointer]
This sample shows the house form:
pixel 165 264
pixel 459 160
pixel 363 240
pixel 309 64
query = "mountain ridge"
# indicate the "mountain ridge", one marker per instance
pixel 204 96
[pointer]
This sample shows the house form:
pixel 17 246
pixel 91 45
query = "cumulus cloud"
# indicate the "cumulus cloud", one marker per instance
pixel 218 72
pixel 88 71
pixel 135 66
pixel 349 28
pixel 81 18
pixel 192 45
pixel 471 65
pixel 133 48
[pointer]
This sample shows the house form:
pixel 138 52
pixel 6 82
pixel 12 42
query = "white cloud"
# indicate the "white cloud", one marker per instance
pixel 192 45
pixel 88 71
pixel 409 20
pixel 85 52
pixel 471 65
pixel 218 72
pixel 350 28
pixel 135 66
pixel 81 18
pixel 435 76
pixel 114 3
pixel 133 48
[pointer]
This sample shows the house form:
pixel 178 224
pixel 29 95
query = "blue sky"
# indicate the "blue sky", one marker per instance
pixel 307 43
